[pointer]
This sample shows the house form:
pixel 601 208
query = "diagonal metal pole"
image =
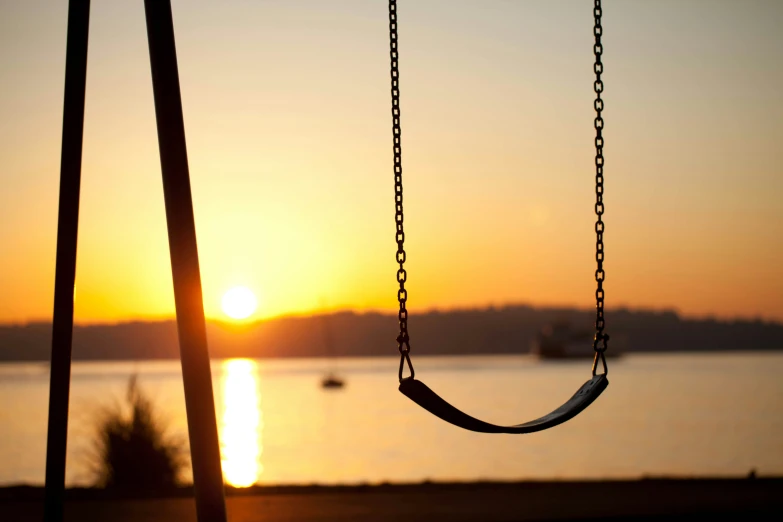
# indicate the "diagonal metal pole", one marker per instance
pixel 65 264
pixel 196 373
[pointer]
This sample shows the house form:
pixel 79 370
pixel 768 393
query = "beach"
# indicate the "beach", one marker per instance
pixel 645 499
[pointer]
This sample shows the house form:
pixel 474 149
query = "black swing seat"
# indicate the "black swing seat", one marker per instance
pixel 422 395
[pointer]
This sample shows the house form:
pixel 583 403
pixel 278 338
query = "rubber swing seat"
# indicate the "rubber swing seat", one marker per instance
pixel 423 395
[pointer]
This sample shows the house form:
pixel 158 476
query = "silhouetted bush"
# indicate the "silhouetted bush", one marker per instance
pixel 132 448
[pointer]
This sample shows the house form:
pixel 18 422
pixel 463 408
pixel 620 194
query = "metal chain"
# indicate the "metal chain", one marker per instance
pixel 403 340
pixel 600 340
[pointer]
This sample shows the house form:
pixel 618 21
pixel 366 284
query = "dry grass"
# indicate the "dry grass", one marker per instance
pixel 132 449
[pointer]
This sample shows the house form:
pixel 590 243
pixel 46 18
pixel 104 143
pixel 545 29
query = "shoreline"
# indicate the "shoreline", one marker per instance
pixel 23 491
pixel 646 498
pixel 45 363
pixel 507 329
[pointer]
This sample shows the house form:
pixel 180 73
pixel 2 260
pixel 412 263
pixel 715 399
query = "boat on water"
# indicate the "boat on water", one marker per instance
pixel 332 381
pixel 559 341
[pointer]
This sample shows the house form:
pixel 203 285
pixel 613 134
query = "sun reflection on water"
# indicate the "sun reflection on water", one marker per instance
pixel 241 424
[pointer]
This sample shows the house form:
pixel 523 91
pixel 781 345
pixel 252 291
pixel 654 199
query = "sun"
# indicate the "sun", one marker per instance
pixel 239 302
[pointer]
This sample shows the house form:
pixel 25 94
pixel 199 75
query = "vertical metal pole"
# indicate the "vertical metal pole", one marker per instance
pixel 65 264
pixel 196 373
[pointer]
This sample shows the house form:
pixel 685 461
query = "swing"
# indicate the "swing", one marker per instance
pixel 415 389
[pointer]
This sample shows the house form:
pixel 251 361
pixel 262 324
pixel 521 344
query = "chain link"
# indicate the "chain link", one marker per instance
pixel 403 340
pixel 600 340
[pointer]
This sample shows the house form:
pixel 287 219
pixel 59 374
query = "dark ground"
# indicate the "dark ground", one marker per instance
pixel 649 499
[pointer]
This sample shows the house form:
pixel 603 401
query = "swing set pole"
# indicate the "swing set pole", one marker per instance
pixel 65 264
pixel 191 325
pixel 197 375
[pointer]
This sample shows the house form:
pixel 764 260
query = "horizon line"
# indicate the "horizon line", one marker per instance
pixel 391 311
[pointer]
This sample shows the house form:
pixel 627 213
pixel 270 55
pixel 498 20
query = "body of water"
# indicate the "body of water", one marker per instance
pixel 674 415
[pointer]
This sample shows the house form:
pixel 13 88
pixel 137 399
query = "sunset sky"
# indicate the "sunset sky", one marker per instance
pixel 287 115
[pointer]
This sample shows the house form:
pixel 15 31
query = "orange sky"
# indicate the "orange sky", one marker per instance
pixel 288 127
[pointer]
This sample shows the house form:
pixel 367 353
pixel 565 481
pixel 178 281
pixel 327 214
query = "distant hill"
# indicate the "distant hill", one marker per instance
pixel 507 329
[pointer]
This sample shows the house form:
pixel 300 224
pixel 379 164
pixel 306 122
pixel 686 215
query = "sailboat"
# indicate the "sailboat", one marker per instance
pixel 331 380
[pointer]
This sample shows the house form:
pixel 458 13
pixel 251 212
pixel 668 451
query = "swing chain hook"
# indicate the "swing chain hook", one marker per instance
pixel 403 344
pixel 599 352
pixel 403 340
pixel 600 340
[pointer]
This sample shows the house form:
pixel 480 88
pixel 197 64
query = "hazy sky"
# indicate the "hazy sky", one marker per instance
pixel 288 127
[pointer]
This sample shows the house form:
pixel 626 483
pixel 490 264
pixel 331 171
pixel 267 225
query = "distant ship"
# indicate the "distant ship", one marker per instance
pixel 332 381
pixel 559 341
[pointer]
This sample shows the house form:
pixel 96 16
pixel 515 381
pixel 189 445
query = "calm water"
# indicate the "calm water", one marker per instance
pixel 662 415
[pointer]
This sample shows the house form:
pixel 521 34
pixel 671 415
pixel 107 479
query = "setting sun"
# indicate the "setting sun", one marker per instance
pixel 239 303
